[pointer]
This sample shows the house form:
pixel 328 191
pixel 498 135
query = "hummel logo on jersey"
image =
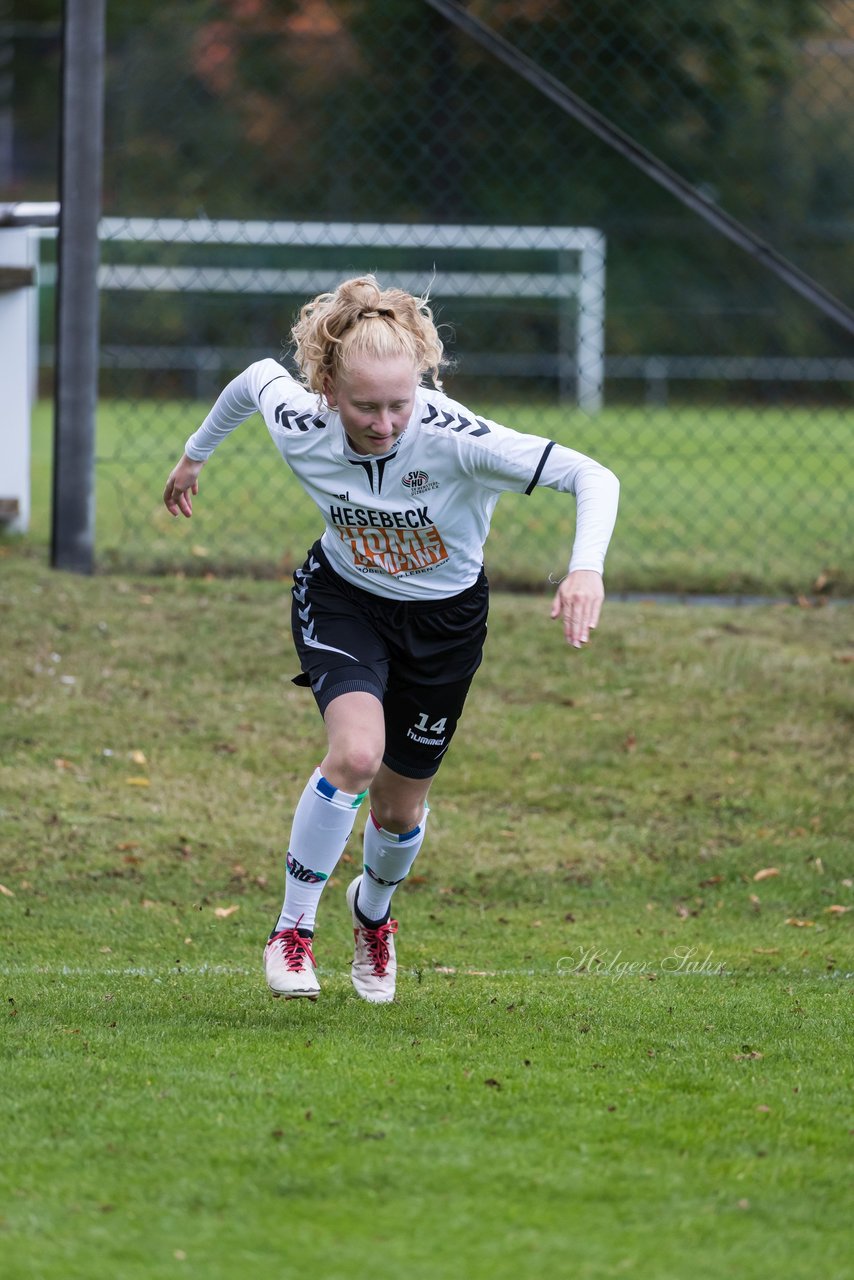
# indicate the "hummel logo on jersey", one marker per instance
pixel 299 872
pixel 419 482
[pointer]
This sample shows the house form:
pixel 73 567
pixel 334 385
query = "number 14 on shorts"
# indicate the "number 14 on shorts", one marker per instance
pixel 430 735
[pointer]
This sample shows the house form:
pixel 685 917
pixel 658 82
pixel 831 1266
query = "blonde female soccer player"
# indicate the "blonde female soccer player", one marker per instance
pixel 389 609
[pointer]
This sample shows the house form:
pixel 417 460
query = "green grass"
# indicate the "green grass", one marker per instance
pixel 555 1092
pixel 733 500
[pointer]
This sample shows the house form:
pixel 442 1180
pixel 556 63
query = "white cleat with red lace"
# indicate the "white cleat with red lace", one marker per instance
pixel 289 966
pixel 374 969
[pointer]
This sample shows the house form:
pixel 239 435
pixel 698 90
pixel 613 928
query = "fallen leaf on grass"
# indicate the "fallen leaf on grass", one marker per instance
pixel 766 873
pixel 837 910
pixel 7 893
pixel 800 924
pixel 137 782
pixel 125 846
pixel 763 1108
pixel 751 1056
pixel 630 743
pixel 137 757
pixel 222 913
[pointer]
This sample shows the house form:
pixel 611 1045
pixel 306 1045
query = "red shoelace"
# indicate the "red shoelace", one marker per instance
pixel 376 940
pixel 294 948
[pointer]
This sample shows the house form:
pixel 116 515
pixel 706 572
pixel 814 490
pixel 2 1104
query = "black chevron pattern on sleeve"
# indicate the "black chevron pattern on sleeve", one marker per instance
pixel 455 421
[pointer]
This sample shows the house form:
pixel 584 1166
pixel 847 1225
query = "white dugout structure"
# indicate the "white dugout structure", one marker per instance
pixel 19 253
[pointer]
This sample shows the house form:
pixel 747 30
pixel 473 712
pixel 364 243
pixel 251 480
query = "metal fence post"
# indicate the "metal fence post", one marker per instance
pixel 76 393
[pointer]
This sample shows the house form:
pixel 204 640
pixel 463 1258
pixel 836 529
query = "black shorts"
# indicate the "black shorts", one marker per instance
pixel 417 656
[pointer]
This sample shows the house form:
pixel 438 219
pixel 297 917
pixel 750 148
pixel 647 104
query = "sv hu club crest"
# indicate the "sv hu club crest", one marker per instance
pixel 419 482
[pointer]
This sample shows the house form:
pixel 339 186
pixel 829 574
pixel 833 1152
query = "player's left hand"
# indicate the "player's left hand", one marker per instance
pixel 578 601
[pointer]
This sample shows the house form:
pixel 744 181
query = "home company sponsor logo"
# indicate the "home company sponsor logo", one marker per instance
pixel 393 542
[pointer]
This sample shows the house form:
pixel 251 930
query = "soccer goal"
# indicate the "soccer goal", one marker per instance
pixel 573 274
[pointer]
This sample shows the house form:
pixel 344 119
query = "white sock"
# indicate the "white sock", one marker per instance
pixel 322 824
pixel 388 859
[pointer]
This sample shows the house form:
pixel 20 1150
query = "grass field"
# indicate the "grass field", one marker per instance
pixel 713 500
pixel 622 1041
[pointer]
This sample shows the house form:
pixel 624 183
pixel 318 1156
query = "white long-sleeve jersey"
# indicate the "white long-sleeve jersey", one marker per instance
pixel 412 523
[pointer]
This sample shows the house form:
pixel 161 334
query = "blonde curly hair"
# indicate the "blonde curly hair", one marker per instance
pixel 362 320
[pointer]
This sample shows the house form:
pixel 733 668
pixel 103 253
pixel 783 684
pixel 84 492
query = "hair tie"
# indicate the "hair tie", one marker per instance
pixel 373 315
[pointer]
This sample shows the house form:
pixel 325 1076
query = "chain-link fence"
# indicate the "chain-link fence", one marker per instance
pixel 255 126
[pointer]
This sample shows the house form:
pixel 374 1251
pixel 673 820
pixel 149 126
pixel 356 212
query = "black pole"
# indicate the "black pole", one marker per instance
pixel 76 388
pixel 648 163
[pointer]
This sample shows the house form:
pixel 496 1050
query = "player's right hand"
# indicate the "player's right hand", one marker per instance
pixel 182 483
